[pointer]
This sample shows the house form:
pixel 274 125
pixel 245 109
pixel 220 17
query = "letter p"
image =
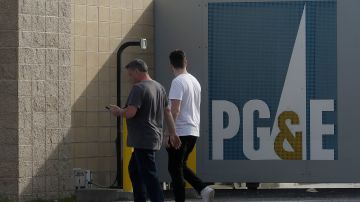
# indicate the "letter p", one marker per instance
pixel 219 133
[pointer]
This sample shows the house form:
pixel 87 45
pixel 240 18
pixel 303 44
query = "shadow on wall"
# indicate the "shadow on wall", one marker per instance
pixel 90 142
pixel 9 100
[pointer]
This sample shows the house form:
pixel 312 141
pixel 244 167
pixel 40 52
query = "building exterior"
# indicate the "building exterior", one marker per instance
pixel 57 72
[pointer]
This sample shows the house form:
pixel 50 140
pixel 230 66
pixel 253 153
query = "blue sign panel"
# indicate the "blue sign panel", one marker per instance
pixel 272 80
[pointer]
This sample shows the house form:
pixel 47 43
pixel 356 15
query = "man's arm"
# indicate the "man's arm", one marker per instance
pixel 174 139
pixel 175 108
pixel 134 103
pixel 129 111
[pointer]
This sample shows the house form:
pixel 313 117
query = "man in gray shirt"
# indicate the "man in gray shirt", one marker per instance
pixel 146 107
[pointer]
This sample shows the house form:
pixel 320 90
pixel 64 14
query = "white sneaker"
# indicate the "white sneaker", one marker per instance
pixel 207 194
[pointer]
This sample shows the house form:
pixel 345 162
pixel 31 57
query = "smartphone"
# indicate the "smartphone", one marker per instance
pixel 107 107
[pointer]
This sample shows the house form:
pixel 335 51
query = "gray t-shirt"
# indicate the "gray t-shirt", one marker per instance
pixel 146 127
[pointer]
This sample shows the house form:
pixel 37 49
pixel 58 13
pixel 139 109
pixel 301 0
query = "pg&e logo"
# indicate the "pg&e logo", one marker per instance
pixel 275 98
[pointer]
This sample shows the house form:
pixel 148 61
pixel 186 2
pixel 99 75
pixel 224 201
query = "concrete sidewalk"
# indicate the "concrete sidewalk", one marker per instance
pixel 338 195
pixel 223 195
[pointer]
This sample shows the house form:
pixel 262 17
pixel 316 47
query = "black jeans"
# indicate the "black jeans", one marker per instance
pixel 144 179
pixel 179 171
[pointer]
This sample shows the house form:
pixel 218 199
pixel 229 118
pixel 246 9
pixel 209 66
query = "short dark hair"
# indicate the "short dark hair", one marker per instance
pixel 177 59
pixel 138 64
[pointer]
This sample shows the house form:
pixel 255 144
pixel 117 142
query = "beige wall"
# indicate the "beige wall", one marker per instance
pixel 57 72
pixel 35 99
pixel 99 28
pixel 9 101
pixel 44 90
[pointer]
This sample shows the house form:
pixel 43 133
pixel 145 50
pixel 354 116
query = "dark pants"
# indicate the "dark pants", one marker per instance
pixel 179 171
pixel 142 170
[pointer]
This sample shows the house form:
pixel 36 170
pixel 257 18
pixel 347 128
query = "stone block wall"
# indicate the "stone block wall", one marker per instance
pixel 9 100
pixel 44 65
pixel 57 72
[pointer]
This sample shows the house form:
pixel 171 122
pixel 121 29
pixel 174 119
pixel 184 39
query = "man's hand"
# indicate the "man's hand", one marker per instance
pixel 172 141
pixel 115 110
pixel 175 141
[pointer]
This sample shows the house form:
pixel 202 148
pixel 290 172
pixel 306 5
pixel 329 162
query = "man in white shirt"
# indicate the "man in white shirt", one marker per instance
pixel 185 97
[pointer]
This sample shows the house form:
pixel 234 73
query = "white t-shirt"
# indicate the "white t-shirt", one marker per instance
pixel 187 89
